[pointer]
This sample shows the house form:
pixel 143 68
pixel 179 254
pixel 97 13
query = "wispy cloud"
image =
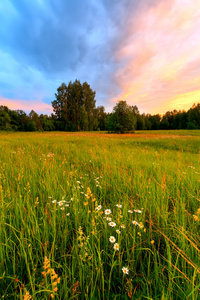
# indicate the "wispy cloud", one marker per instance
pixel 160 60
pixel 18 104
pixel 142 51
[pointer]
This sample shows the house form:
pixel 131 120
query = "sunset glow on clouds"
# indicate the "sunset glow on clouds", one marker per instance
pixel 162 58
pixel 144 52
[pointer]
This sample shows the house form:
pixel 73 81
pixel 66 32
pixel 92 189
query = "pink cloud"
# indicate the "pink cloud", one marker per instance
pixel 159 57
pixel 36 105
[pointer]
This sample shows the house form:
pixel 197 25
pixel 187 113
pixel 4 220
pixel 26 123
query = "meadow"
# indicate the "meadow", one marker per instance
pixel 100 216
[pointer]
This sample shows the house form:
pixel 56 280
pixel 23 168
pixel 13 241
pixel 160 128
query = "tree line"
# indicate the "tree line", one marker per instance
pixel 75 109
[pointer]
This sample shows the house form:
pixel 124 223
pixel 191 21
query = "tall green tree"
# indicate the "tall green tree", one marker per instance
pixel 102 117
pixel 74 106
pixel 4 118
pixel 123 118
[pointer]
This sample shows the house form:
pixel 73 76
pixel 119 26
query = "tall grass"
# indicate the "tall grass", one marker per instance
pixel 54 233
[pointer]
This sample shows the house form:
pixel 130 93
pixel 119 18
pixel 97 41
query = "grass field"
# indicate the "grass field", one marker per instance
pixel 100 216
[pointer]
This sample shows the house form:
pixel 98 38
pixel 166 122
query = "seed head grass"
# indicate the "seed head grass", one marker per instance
pixel 99 216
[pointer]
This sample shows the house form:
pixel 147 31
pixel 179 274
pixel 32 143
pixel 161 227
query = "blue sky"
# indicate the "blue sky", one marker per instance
pixel 143 51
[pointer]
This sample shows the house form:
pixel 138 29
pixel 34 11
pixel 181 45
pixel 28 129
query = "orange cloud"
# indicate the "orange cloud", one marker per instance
pixel 159 60
pixel 180 102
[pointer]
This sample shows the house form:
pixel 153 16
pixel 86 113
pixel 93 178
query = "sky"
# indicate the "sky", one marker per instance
pixel 146 52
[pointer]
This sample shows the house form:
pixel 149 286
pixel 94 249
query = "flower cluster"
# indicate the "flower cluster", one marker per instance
pixel 27 296
pixel 196 217
pixel 55 280
pixel 83 245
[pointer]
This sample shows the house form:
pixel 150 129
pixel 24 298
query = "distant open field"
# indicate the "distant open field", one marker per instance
pixel 100 216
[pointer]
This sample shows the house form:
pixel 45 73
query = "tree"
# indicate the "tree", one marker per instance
pixel 101 116
pixel 194 116
pixel 74 106
pixel 123 118
pixel 155 121
pixel 31 125
pixel 34 117
pixel 4 119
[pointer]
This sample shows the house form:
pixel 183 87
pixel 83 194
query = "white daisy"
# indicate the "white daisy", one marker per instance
pixel 130 211
pixel 108 211
pixel 135 223
pixel 98 207
pixel 112 239
pixel 54 201
pixel 118 231
pixel 116 247
pixel 112 224
pixel 125 270
pixel 137 211
pixel 119 205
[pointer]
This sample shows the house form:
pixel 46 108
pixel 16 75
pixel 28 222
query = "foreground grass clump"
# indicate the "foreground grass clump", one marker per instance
pixel 98 216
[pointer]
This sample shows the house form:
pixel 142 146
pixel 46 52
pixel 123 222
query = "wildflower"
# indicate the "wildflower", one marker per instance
pixel 135 223
pixel 195 218
pixel 112 239
pixel 137 211
pixel 112 224
pixel 78 182
pixel 54 201
pixel 107 212
pixel 152 242
pixel 118 231
pixel 67 204
pixel 67 214
pixel 98 207
pixel 60 203
pixel 72 199
pixel 116 247
pixel 108 219
pixel 130 211
pixel 27 296
pixel 62 208
pixel 125 270
pixel 141 225
pixel 122 226
pixel 119 205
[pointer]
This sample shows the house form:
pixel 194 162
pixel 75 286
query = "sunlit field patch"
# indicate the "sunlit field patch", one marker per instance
pixel 99 216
